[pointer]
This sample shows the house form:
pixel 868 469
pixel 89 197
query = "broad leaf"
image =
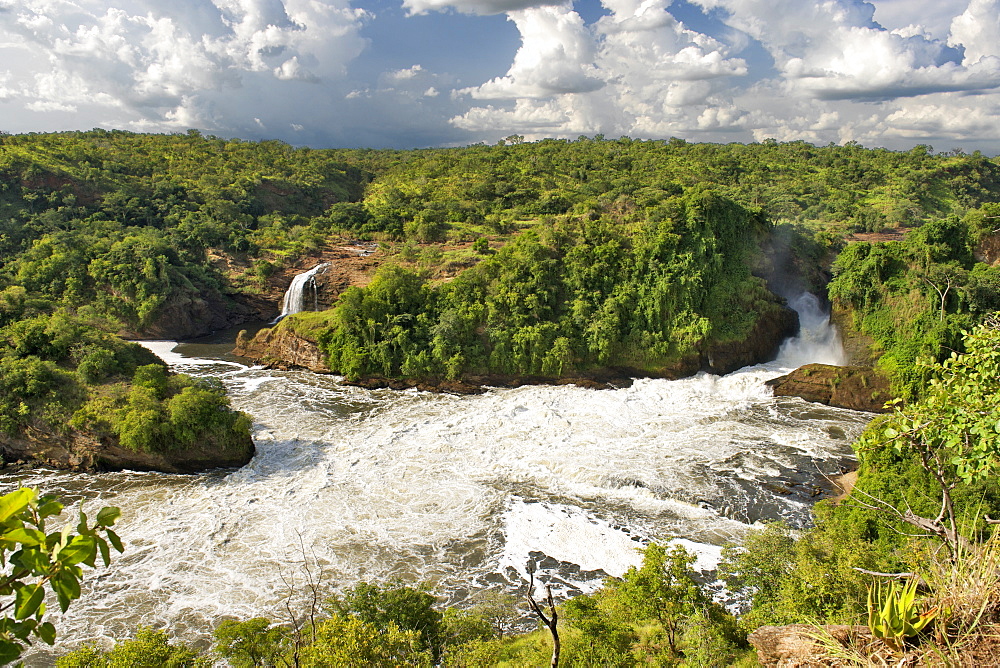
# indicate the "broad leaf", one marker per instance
pixel 9 651
pixel 27 600
pixel 15 502
pixel 108 516
pixel 115 540
pixel 29 537
pixel 81 549
pixel 47 632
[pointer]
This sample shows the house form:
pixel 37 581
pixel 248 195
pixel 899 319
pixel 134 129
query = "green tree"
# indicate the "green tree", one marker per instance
pixel 953 431
pixel 394 604
pixel 149 649
pixel 255 642
pixel 663 589
pixel 346 641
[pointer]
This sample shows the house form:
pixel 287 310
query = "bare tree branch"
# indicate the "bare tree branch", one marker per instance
pixel 550 622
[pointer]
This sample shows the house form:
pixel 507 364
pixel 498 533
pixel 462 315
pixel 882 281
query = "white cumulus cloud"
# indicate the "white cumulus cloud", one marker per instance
pixel 188 63
pixel 475 6
pixel 835 49
pixel 556 56
pixel 637 69
pixel 977 29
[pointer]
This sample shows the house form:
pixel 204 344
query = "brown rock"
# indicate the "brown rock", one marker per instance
pixel 857 388
pixel 798 646
pixel 760 345
pixel 282 348
pixel 189 316
pixel 86 451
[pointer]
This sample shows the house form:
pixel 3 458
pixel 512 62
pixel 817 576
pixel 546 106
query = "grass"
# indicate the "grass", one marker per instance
pixel 307 323
pixel 966 592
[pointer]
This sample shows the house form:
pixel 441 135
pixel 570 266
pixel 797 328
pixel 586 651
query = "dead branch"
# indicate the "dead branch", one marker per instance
pixel 550 621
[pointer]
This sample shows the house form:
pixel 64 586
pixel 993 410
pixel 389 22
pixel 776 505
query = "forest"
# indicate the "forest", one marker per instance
pixel 551 259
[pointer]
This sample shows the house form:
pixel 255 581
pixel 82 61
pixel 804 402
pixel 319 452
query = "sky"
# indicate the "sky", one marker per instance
pixel 421 73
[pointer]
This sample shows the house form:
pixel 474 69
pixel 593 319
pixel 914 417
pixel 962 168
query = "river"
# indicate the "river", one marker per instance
pixel 458 492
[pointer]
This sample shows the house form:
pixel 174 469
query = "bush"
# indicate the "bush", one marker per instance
pixel 149 649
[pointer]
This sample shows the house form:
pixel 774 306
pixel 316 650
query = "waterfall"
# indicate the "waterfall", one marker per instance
pixel 818 341
pixel 294 300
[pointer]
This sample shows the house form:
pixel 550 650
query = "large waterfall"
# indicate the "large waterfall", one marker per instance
pixel 455 491
pixel 294 300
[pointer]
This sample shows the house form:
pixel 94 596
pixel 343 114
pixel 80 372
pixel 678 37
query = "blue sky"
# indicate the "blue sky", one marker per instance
pixel 414 73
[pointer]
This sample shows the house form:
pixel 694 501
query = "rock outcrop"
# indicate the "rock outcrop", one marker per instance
pixel 85 451
pixel 854 387
pixel 800 645
pixel 280 347
pixel 760 345
pixel 189 316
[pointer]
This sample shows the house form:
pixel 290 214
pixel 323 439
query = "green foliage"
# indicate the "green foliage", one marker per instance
pixel 955 424
pixel 563 299
pixel 159 413
pixel 482 246
pixel 344 641
pixel 255 642
pixel 605 638
pixel 893 612
pixel 149 649
pixel 492 615
pixel 663 589
pixel 34 560
pixel 914 297
pixel 394 606
pixel 810 578
pixel 712 642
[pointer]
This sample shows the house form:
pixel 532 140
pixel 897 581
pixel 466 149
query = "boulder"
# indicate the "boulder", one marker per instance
pixel 806 646
pixel 854 387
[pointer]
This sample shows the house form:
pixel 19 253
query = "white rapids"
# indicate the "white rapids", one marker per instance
pixel 455 491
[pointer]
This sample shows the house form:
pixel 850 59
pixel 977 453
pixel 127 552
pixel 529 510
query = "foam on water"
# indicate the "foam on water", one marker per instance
pixel 456 491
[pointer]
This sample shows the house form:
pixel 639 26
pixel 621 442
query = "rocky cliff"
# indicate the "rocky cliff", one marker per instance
pixel 189 316
pixel 86 451
pixel 760 345
pixel 281 347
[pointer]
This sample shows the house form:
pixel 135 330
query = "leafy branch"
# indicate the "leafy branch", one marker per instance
pixel 38 560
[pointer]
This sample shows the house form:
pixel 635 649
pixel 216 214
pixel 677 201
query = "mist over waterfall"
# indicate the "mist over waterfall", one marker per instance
pixel 294 300
pixel 458 492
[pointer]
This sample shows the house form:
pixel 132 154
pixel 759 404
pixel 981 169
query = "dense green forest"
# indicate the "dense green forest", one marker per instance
pixel 563 257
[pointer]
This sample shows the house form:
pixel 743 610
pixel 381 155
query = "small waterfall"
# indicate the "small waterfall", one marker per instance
pixel 294 296
pixel 818 339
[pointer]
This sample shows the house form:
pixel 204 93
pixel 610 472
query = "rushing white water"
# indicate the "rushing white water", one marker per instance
pixel 818 341
pixel 456 491
pixel 294 300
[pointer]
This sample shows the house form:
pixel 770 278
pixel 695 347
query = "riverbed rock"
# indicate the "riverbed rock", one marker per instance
pixel 854 387
pixel 86 451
